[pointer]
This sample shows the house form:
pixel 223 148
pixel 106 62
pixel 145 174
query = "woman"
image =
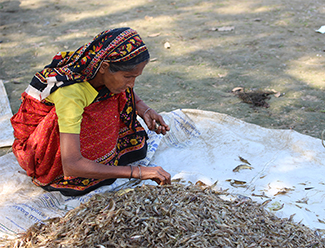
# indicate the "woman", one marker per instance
pixel 76 128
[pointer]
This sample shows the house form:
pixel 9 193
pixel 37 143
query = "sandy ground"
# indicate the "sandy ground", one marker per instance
pixel 215 46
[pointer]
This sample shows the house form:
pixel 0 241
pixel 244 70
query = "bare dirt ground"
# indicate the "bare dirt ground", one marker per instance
pixel 215 46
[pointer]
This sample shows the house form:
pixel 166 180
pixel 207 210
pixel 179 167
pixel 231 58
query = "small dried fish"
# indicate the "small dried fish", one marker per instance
pixel 244 160
pixel 237 183
pixel 283 191
pixel 266 202
pixel 124 191
pixel 241 167
pixel 261 195
pixel 321 221
pixel 201 184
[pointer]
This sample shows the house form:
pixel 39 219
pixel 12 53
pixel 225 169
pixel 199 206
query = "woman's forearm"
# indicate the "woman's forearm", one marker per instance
pixel 74 164
pixel 90 169
pixel 140 105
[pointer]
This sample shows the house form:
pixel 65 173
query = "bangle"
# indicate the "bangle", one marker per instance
pixel 131 172
pixel 138 101
pixel 139 172
pixel 146 111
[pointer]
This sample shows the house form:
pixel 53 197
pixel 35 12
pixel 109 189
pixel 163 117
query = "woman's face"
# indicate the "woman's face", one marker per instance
pixel 119 81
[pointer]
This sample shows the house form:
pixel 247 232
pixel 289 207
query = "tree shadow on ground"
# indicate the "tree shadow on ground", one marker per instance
pixel 273 45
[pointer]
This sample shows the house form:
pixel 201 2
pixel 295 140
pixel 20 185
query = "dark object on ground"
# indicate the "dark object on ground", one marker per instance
pixel 255 97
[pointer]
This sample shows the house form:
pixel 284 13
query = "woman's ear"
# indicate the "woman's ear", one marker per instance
pixel 103 67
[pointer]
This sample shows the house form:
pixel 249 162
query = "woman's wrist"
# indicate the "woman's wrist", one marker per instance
pixel 142 109
pixel 146 111
pixel 131 174
pixel 136 173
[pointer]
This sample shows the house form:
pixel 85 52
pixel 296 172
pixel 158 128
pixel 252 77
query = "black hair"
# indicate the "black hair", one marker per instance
pixel 115 67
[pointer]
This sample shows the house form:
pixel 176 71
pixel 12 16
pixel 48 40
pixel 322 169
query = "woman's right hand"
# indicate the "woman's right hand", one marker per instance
pixel 157 174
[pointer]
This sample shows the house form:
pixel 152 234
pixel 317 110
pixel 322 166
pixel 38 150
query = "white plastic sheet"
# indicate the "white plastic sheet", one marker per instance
pixel 6 131
pixel 288 169
pixel 321 30
pixel 283 161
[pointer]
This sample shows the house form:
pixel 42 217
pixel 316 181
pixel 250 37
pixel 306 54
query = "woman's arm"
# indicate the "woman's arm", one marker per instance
pixel 74 164
pixel 150 116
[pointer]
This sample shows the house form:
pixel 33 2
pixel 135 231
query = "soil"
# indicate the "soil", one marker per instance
pixel 215 46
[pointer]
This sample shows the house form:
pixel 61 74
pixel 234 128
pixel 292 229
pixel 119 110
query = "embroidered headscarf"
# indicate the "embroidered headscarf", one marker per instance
pixel 121 45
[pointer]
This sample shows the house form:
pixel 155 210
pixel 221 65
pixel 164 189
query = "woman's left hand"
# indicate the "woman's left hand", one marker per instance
pixel 155 122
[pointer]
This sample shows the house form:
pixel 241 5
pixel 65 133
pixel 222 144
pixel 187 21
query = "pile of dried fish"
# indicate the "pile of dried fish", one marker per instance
pixel 169 216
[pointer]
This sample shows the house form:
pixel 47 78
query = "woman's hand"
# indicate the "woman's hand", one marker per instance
pixel 157 174
pixel 155 122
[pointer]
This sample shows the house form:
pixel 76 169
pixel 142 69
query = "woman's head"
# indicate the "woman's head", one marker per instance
pixel 123 48
pixel 117 81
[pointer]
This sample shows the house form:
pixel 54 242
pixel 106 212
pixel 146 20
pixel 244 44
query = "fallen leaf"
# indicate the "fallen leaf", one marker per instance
pixel 153 35
pixel 226 29
pixel 148 18
pixel 238 89
pixel 276 206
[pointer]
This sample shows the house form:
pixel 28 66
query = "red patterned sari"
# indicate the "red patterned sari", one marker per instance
pixel 110 134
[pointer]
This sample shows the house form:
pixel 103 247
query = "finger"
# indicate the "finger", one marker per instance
pixel 162 130
pixel 155 125
pixel 159 130
pixel 151 123
pixel 156 180
pixel 165 175
pixel 161 121
pixel 160 179
pixel 165 127
pixel 168 178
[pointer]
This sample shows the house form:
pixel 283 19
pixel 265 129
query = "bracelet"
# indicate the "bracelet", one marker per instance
pixel 138 101
pixel 146 111
pixel 131 172
pixel 139 171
